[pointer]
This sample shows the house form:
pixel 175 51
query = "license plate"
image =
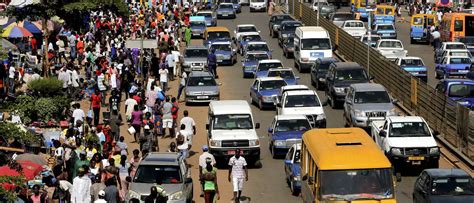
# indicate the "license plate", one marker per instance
pixel 417 38
pixel 416 158
pixel 385 34
pixel 202 97
pixel 416 163
pixel 232 152
pixel 219 61
pixel 225 15
pixel 463 71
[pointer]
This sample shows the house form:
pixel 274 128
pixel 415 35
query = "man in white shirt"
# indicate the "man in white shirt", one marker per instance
pixel 182 84
pixel 78 114
pixel 11 79
pixel 65 78
pixel 237 173
pixel 185 145
pixel 129 105
pixel 190 125
pixel 176 56
pixel 81 188
pixel 163 78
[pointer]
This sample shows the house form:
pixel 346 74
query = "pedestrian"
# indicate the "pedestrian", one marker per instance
pixel 182 83
pixel 136 121
pixel 96 100
pixel 111 192
pixel 130 104
pixel 153 195
pixel 212 63
pixel 65 78
pixel 38 196
pixel 151 96
pixel 163 76
pixel 101 198
pixel 81 188
pixel 78 114
pixel 114 101
pixel 123 146
pixel 170 64
pixel 167 118
pixel 202 163
pixel 187 35
pixel 114 123
pixel 183 142
pixel 189 123
pixel 209 177
pixel 436 39
pixel 237 173
pixel 172 147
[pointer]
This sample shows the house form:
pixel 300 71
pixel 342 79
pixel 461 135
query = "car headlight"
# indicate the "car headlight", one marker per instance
pixel 463 103
pixel 133 195
pixel 321 117
pixel 297 178
pixel 190 93
pixel 211 93
pixel 254 142
pixel 275 27
pixel 284 35
pixel 279 143
pixel 339 90
pixel 267 98
pixel 176 196
pixel 358 113
pixel 215 143
pixel 395 151
pixel 393 112
pixel 434 151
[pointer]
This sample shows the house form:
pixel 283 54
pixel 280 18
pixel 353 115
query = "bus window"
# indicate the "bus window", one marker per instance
pixel 417 21
pixel 431 21
pixel 388 11
pixel 380 11
pixel 458 26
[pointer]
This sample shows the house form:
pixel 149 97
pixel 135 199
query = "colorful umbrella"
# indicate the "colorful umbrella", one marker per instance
pixel 30 170
pixel 14 31
pixel 33 27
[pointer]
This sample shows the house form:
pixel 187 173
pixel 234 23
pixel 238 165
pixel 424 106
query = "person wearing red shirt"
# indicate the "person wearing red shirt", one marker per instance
pixel 174 111
pixel 137 98
pixel 33 44
pixel 96 100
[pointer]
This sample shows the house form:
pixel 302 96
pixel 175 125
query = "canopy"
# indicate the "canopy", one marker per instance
pixel 22 3
pixel 30 170
pixel 7 45
pixel 14 31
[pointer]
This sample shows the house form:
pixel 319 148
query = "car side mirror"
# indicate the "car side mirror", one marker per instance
pixel 297 77
pixel 234 50
pixel 220 84
pixel 207 126
pixel 188 180
pixel 371 78
pixel 288 162
pixel 270 130
pixel 382 133
pixel 259 31
pixel 257 125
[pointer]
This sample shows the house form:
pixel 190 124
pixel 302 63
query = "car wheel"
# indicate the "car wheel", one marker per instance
pixel 251 100
pixel 436 75
pixel 412 41
pixel 274 156
pixel 260 105
pixel 294 191
pixel 312 81
pixel 331 102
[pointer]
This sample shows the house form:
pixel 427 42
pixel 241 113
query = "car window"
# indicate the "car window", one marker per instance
pixel 351 74
pixel 461 90
pixel 196 53
pixel 453 186
pixel 267 66
pixel 460 61
pixel 286 74
pixel 301 101
pixel 272 84
pixel 226 6
pixel 371 97
pixel 247 29
pixel 411 62
pixel 201 81
pixel 292 125
pixel 257 47
pixel 256 57
pixel 158 174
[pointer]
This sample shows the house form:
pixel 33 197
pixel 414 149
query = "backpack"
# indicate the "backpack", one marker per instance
pixel 180 139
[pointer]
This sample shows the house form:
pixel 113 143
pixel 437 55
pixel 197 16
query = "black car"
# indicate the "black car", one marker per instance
pixel 288 46
pixel 287 29
pixel 443 185
pixel 319 71
pixel 339 77
pixel 275 22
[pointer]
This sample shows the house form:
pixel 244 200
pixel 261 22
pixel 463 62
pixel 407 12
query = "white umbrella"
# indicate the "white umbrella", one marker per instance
pixel 22 3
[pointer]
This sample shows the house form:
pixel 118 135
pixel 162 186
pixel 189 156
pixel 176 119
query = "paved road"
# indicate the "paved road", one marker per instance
pixel 268 183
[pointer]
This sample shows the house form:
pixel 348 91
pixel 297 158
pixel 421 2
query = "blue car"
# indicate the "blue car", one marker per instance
pixel 385 31
pixel 264 65
pixel 293 169
pixel 453 66
pixel 224 52
pixel 250 62
pixel 258 46
pixel 245 38
pixel 209 16
pixel 235 4
pixel 458 90
pixel 263 91
pixel 286 73
pixel 198 26
pixel 226 10
pixel 413 65
pixel 285 131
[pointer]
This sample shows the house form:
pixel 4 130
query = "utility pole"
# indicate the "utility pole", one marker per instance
pixel 369 37
pixel 317 14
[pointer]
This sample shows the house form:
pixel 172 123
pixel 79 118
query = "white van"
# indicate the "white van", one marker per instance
pixel 230 127
pixel 311 43
pixel 258 5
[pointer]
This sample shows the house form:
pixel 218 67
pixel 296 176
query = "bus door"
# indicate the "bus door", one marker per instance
pixel 469 24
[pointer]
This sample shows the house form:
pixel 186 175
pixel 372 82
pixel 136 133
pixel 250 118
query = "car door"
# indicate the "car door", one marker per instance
pixel 186 174
pixel 254 89
pixel 289 162
pixel 271 129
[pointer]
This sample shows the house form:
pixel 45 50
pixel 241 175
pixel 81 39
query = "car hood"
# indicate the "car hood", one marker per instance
pixel 292 81
pixel 262 73
pixel 269 92
pixel 195 60
pixel 222 52
pixel 374 106
pixel 347 83
pixel 303 110
pixel 287 135
pixel 236 134
pixel 198 27
pixel 225 10
pixel 144 188
pixel 452 199
pixel 412 142
pixel 202 89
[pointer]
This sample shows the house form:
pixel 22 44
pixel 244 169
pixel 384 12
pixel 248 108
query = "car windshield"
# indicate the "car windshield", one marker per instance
pixel 372 39
pixel 453 186
pixel 302 101
pixel 195 53
pixel 201 81
pixel 411 62
pixel 256 57
pixel 257 47
pixel 247 29
pixel 385 27
pixel 391 44
pixel 221 47
pixel 204 14
pixel 460 61
pixel 232 121
pixel 455 46
pixel 286 74
pixel 158 174
pixel 371 97
pixel 315 44
pixel 197 23
pixel 292 125
pixel 409 129
pixel 290 27
pixel 352 185
pixel 218 35
pixel 281 18
pixel 343 16
pixel 248 38
pixel 267 66
pixel 351 74
pixel 354 24
pixel 272 84
pixel 226 6
pixel 461 90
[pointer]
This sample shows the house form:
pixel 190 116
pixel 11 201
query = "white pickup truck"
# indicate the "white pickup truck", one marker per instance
pixel 406 140
pixel 391 48
pixel 355 28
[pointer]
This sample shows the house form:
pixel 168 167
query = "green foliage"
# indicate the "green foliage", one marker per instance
pixel 46 109
pixel 46 86
pixel 43 109
pixel 23 107
pixel 11 131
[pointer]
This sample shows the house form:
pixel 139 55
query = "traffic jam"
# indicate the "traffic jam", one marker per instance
pixel 318 161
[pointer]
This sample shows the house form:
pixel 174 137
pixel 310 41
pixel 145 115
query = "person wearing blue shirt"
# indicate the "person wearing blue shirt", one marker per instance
pixel 212 63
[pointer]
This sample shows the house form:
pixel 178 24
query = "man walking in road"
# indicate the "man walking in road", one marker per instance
pixel 237 173
pixel 190 125
pixel 212 63
pixel 202 163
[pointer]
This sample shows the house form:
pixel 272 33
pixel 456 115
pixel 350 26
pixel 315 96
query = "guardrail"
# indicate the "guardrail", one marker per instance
pixel 453 121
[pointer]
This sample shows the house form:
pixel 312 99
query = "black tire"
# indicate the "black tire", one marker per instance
pixel 313 83
pixel 294 192
pixel 412 41
pixel 272 151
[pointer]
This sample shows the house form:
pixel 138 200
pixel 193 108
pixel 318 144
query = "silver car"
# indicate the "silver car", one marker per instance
pixel 366 102
pixel 201 87
pixel 166 169
pixel 195 58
